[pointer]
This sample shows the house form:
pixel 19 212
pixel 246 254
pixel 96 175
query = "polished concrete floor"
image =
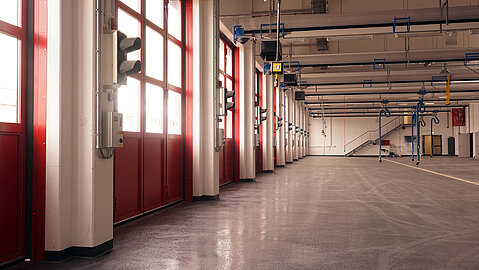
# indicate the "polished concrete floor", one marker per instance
pixel 319 213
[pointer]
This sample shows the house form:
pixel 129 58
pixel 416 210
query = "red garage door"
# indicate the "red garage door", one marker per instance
pixel 226 155
pixel 149 168
pixel 12 130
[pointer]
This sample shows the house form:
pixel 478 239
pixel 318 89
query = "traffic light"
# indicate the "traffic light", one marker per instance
pixel 229 104
pixel 260 113
pixel 126 67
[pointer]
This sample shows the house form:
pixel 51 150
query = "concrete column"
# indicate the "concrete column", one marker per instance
pixel 280 149
pixel 303 126
pixel 295 134
pixel 268 128
pixel 247 112
pixel 307 130
pixel 300 134
pixel 205 158
pixel 288 120
pixel 79 185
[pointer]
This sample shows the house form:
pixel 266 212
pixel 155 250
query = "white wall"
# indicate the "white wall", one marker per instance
pixel 341 131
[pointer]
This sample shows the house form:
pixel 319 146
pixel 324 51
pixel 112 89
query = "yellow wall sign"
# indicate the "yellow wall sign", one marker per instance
pixel 277 67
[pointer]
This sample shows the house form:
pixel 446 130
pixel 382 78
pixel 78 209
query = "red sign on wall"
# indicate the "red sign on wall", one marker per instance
pixel 385 142
pixel 459 117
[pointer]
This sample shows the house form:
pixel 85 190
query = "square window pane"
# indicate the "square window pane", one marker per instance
pixel 154 54
pixel 133 4
pixel 222 55
pixel 154 11
pixel 174 112
pixel 129 26
pixel 9 12
pixel 129 105
pixel 174 18
pixel 229 61
pixel 174 64
pixel 9 79
pixel 229 125
pixel 229 85
pixel 154 108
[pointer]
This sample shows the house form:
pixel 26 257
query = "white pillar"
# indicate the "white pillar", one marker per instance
pixel 268 126
pixel 79 185
pixel 303 129
pixel 307 132
pixel 300 135
pixel 288 127
pixel 247 112
pixel 205 158
pixel 280 149
pixel 296 135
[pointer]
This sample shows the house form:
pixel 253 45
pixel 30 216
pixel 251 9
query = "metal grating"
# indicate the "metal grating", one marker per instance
pixel 322 44
pixel 319 6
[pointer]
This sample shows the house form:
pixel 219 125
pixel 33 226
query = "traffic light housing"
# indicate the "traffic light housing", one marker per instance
pixel 126 67
pixel 229 104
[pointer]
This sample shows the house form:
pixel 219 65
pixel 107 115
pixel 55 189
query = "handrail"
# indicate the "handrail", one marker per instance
pixel 375 130
pixel 368 135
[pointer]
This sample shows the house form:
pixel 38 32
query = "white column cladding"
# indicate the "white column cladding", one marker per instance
pixel 306 138
pixel 289 119
pixel 79 185
pixel 247 111
pixel 300 135
pixel 268 128
pixel 205 158
pixel 295 134
pixel 280 149
pixel 303 126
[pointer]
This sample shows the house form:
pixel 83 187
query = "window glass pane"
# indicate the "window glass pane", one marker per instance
pixel 154 11
pixel 229 85
pixel 222 55
pixel 129 26
pixel 174 112
pixel 154 108
pixel 174 18
pixel 9 12
pixel 9 79
pixel 229 125
pixel 229 61
pixel 174 64
pixel 133 4
pixel 154 54
pixel 129 105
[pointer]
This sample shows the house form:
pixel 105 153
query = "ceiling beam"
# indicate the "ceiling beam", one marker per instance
pixel 387 93
pixel 390 101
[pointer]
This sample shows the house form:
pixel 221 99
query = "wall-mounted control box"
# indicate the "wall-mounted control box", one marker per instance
pixel 112 129
pixel 256 138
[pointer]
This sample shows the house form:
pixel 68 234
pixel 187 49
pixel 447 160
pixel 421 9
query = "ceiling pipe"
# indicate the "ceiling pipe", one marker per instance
pixel 362 116
pixel 390 82
pixel 387 93
pixel 342 108
pixel 397 62
pixel 383 19
pixel 370 112
pixel 258 14
pixel 390 101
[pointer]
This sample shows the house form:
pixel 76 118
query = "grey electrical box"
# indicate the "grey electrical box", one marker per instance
pixel 256 140
pixel 112 129
pixel 220 138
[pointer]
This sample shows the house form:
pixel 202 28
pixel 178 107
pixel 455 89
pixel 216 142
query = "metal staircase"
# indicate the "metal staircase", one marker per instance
pixel 372 136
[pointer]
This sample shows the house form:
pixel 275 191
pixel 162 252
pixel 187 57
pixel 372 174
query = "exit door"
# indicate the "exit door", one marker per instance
pixel 436 143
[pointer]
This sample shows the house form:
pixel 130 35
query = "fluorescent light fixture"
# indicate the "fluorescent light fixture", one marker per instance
pixel 429 103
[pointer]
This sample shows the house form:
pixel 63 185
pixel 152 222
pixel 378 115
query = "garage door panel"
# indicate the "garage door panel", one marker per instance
pixel 154 173
pixel 10 215
pixel 128 180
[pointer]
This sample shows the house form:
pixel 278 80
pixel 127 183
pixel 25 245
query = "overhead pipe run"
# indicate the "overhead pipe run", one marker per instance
pixel 371 112
pixel 386 93
pixel 342 108
pixel 391 101
pixel 365 116
pixel 372 83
